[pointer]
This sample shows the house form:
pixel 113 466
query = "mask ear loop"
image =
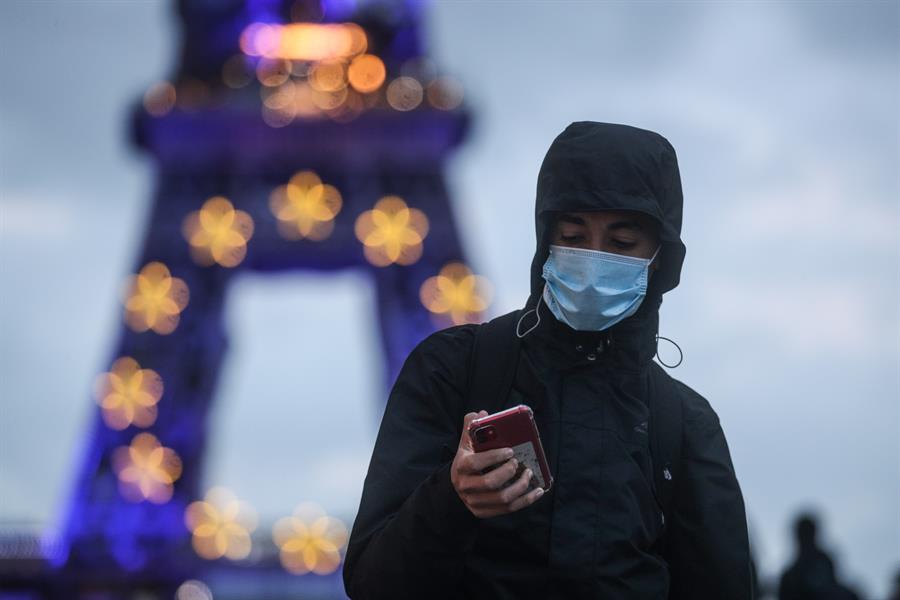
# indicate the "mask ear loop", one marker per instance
pixel 532 328
pixel 680 353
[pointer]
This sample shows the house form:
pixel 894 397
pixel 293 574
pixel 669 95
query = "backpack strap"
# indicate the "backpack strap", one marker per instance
pixel 493 362
pixel 666 420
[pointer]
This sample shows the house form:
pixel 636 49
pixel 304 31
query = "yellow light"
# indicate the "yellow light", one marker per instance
pixel 329 100
pixel 160 98
pixel 303 41
pixel 218 233
pixel 220 525
pixel 328 76
pixel 273 72
pixel 404 93
pixel 392 232
pixel 146 469
pixel 310 541
pixel 366 73
pixel 305 207
pixel 445 93
pixel 128 394
pixel 456 293
pixel 303 100
pixel 155 299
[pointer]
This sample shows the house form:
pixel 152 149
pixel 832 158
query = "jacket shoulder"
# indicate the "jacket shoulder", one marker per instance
pixel 450 343
pixel 696 409
pixel 441 357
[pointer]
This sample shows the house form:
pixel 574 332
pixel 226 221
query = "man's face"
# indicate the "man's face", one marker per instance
pixel 625 232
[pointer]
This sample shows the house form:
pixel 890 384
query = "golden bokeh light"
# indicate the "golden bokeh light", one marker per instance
pixel 128 394
pixel 456 293
pixel 328 76
pixel 220 525
pixel 272 72
pixel 404 93
pixel 155 299
pixel 392 232
pixel 160 98
pixel 217 233
pixel 303 100
pixel 309 541
pixel 303 41
pixel 329 100
pixel 305 207
pixel 366 73
pixel 146 469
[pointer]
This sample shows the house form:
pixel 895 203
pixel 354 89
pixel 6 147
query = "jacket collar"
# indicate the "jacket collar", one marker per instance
pixel 630 344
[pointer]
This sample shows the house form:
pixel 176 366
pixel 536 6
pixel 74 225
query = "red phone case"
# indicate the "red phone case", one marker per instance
pixel 514 428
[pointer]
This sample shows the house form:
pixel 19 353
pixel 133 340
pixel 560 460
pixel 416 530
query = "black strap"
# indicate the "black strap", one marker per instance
pixel 665 425
pixel 493 362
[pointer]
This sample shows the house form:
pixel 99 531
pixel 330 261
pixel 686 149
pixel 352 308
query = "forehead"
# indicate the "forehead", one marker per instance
pixel 607 218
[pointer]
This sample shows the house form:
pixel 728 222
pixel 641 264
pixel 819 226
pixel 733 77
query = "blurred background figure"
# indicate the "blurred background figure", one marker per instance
pixel 895 589
pixel 812 574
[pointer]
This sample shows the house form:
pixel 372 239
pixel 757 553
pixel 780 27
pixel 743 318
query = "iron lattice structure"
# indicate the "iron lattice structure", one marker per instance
pixel 219 129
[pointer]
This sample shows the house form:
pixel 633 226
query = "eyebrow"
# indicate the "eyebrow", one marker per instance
pixel 617 225
pixel 566 218
pixel 629 224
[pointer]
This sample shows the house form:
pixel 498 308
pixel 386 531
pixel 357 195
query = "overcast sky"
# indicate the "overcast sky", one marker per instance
pixel 784 118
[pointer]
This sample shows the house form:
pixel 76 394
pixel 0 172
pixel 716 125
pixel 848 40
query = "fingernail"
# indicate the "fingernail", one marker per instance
pixel 514 463
pixel 528 474
pixel 508 453
pixel 539 493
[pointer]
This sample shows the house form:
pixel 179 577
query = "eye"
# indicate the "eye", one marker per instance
pixel 574 238
pixel 624 244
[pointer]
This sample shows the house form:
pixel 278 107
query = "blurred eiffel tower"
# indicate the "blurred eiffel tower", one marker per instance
pixel 291 136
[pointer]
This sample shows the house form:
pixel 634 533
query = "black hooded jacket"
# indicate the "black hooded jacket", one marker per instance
pixel 598 532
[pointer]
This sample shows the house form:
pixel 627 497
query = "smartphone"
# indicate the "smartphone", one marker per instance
pixel 514 428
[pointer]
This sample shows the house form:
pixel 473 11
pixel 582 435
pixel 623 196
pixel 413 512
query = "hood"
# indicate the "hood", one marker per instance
pixel 607 166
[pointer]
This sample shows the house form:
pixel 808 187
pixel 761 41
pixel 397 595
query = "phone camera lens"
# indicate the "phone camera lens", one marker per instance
pixel 485 434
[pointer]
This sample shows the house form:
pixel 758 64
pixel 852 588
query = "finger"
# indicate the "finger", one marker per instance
pixel 464 440
pixel 476 482
pixel 503 497
pixel 479 461
pixel 526 499
pixel 501 476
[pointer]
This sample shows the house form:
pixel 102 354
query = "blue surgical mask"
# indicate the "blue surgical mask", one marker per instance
pixel 590 290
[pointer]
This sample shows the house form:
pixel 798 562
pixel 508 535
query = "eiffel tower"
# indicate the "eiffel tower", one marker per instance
pixel 291 136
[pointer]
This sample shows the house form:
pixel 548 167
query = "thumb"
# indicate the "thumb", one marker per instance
pixel 465 441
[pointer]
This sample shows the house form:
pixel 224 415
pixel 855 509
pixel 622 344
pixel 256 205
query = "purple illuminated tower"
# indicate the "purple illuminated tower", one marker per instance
pixel 281 130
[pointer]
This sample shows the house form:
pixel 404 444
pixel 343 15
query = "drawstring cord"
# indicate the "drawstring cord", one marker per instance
pixel 520 334
pixel 536 312
pixel 680 353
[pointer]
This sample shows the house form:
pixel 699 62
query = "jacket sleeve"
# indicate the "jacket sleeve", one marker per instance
pixel 708 552
pixel 412 529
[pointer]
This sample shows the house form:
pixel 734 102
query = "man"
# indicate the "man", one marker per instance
pixel 636 511
pixel 812 574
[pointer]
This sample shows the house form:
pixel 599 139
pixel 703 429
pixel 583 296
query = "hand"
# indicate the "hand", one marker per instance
pixel 486 482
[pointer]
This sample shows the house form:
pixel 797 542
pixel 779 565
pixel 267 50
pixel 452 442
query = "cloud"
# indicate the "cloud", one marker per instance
pixel 35 216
